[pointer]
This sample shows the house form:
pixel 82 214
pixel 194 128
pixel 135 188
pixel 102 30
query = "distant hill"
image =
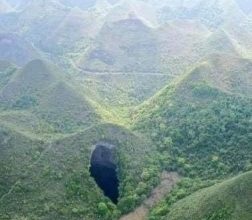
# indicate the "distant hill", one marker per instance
pixel 182 44
pixel 19 4
pixel 29 25
pixel 212 13
pixel 39 89
pixel 86 36
pixel 126 45
pixel 73 33
pixel 87 4
pixel 139 9
pixel 17 50
pixel 33 80
pixel 78 3
pixel 172 48
pixel 220 42
pixel 124 89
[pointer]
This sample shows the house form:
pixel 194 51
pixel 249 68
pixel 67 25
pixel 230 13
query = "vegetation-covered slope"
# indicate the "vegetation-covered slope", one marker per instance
pixel 110 56
pixel 121 90
pixel 203 122
pixel 48 131
pixel 41 90
pixel 6 71
pixel 229 200
pixel 51 179
pixel 125 45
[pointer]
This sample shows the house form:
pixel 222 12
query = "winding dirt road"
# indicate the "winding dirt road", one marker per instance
pixel 168 181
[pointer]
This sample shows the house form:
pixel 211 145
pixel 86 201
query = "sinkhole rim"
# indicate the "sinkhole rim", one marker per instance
pixel 103 169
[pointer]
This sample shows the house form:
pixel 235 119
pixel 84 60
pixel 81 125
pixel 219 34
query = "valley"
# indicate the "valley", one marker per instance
pixel 125 110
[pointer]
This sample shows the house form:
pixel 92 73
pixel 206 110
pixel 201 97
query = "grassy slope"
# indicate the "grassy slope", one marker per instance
pixel 40 91
pixel 42 115
pixel 51 179
pixel 203 120
pixel 125 45
pixel 229 200
pixel 52 114
pixel 202 126
pixel 115 95
pixel 181 45
pixel 54 182
pixel 123 89
pixel 83 26
pixel 15 159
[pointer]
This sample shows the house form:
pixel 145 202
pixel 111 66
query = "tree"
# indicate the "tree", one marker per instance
pixel 103 209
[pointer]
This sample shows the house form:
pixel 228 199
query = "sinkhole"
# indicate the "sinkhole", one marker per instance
pixel 103 169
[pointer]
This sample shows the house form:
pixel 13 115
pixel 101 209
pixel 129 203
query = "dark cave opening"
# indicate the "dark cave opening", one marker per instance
pixel 104 170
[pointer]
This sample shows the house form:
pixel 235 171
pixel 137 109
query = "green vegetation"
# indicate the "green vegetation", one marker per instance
pixel 203 130
pixel 6 72
pixel 204 141
pixel 61 184
pixel 124 46
pixel 40 91
pixel 229 200
pixel 168 83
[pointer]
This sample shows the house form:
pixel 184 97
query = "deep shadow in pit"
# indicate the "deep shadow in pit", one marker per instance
pixel 104 170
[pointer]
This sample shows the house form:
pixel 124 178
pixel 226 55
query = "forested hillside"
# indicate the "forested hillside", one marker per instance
pixel 203 123
pixel 103 102
pixel 228 200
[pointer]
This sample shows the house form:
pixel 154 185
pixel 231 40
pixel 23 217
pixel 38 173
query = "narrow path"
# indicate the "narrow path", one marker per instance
pixel 128 73
pixel 168 181
pixel 100 73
